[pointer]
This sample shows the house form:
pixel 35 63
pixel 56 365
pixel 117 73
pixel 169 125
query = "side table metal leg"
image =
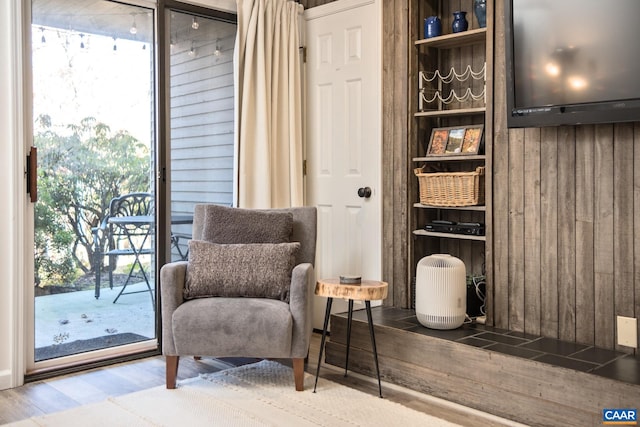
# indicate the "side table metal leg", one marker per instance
pixel 349 319
pixel 327 314
pixel 373 344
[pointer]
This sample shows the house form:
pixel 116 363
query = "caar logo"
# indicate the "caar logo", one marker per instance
pixel 620 417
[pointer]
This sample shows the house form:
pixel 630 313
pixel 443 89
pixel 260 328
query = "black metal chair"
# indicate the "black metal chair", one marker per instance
pixel 180 242
pixel 126 230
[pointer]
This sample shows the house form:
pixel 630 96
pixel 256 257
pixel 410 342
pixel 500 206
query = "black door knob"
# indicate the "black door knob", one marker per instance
pixel 364 192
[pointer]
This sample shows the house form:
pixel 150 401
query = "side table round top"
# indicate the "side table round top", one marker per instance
pixel 366 291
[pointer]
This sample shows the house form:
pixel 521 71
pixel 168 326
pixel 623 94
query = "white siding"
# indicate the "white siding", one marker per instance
pixel 202 129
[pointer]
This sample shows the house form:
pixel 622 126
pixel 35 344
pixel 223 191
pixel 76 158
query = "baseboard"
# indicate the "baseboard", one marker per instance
pixel 6 379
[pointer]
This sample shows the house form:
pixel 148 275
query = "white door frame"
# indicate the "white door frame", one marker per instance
pixel 13 130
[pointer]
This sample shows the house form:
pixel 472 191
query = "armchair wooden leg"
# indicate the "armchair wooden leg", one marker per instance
pixel 298 373
pixel 171 370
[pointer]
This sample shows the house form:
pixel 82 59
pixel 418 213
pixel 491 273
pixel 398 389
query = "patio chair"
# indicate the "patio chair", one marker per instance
pixel 127 229
pixel 246 289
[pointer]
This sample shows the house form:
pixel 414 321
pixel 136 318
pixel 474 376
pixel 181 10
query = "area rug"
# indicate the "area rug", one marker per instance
pixel 80 346
pixel 259 394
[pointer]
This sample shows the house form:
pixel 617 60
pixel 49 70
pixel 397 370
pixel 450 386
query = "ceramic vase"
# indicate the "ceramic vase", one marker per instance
pixel 460 22
pixel 480 10
pixel 432 27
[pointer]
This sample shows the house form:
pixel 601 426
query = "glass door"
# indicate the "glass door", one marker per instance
pixel 201 100
pixel 93 125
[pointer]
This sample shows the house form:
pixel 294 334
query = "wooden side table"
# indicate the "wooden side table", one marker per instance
pixel 366 291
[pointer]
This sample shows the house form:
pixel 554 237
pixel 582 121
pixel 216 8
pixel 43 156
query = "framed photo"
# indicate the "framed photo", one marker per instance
pixel 454 143
pixel 472 139
pixel 456 140
pixel 438 142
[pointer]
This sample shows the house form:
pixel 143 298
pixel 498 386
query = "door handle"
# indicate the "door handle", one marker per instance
pixel 364 192
pixel 32 174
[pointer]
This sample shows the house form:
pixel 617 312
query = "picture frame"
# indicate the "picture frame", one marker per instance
pixel 472 140
pixel 438 142
pixel 456 141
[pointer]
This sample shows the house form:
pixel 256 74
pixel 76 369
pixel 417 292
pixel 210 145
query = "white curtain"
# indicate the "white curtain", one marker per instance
pixel 269 104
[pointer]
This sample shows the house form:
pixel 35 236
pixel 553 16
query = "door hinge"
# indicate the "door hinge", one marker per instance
pixel 303 52
pixel 304 167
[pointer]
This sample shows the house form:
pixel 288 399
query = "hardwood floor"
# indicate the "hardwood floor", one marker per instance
pixel 60 393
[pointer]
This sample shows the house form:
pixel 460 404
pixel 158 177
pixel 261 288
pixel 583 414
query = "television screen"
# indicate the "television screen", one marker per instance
pixel 572 61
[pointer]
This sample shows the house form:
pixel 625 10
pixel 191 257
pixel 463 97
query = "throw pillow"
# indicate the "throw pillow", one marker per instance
pixel 236 225
pixel 258 270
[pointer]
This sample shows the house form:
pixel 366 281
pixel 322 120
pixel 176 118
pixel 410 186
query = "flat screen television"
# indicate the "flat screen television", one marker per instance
pixel 572 62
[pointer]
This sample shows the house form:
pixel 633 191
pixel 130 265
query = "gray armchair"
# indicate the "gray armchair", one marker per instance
pixel 278 326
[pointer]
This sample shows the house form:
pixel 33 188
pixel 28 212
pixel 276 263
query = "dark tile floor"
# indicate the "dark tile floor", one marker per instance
pixel 606 363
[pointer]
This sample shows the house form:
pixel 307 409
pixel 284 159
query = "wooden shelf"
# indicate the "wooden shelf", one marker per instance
pixel 461 158
pixel 451 113
pixel 455 208
pixel 453 40
pixel 459 52
pixel 448 235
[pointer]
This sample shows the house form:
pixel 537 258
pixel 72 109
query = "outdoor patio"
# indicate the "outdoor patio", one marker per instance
pixel 73 322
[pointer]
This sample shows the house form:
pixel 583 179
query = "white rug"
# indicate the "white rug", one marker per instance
pixel 260 394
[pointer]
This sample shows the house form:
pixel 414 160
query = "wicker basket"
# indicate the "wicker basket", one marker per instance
pixel 451 188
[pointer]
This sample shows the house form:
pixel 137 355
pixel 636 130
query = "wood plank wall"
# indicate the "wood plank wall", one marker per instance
pixel 396 168
pixel 565 249
pixel 566 252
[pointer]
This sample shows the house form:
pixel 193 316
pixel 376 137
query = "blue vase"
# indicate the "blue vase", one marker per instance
pixel 480 10
pixel 432 27
pixel 460 22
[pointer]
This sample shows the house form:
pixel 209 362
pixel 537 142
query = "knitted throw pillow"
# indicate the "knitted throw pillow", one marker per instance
pixel 257 270
pixel 236 225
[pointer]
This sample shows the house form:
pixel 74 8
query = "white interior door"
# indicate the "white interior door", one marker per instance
pixel 344 140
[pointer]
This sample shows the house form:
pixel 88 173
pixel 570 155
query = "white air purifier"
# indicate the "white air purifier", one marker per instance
pixel 441 292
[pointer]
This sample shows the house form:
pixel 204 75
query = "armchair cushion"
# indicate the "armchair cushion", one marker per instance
pixel 257 270
pixel 236 225
pixel 254 327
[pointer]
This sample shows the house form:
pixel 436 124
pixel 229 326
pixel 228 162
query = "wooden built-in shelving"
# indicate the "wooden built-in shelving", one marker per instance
pixel 449 41
pixel 466 50
pixel 457 208
pixel 451 113
pixel 459 158
pixel 448 235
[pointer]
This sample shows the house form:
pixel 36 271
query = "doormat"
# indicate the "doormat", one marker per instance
pixel 81 346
